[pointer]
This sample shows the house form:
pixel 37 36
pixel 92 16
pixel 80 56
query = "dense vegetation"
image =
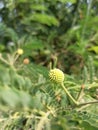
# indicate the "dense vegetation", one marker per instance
pixel 35 37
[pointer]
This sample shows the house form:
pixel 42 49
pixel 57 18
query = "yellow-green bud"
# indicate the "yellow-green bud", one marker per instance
pixel 56 75
pixel 20 51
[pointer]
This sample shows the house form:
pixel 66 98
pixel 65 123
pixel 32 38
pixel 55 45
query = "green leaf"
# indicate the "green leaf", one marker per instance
pixel 2 47
pixel 11 33
pixel 93 48
pixel 66 1
pixel 2 29
pixel 38 7
pixel 87 126
pixel 31 46
pixel 33 43
pixel 42 18
pixel 25 98
pixel 36 101
pixel 45 19
pixel 72 1
pixel 4 76
pixel 21 1
pixel 9 96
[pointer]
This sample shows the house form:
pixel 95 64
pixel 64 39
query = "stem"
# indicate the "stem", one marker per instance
pixel 80 93
pixel 16 57
pixel 3 60
pixel 66 91
pixel 42 121
pixel 87 103
pixel 10 59
pixel 86 19
pixel 55 62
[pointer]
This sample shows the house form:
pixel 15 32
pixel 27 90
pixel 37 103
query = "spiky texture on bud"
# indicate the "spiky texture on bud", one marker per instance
pixel 56 75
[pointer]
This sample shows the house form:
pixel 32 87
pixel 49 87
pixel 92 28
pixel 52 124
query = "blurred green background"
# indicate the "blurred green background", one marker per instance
pixel 66 29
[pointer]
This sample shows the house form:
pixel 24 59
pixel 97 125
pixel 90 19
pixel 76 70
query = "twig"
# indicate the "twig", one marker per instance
pixel 80 93
pixel 83 104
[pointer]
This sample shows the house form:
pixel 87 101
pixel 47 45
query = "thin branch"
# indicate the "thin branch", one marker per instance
pixel 87 103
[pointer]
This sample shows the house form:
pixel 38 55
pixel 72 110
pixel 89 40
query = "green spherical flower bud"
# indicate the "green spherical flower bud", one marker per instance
pixel 56 75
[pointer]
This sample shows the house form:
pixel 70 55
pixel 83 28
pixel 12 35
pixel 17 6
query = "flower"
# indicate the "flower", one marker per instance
pixel 56 75
pixel 20 51
pixel 26 61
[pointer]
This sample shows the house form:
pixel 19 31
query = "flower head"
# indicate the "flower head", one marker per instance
pixel 56 75
pixel 20 51
pixel 26 61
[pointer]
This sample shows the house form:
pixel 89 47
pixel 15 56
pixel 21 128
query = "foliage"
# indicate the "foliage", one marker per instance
pixel 28 100
pixel 36 35
pixel 58 28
